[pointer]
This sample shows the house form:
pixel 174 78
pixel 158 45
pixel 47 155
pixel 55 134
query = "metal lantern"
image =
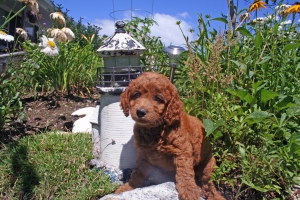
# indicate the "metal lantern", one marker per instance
pixel 173 52
pixel 113 141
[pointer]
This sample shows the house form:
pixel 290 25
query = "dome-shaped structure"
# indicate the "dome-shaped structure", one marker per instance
pixel 120 44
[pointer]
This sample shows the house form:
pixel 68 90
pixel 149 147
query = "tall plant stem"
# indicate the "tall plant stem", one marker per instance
pixel 10 18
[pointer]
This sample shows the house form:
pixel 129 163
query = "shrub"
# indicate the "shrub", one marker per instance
pixel 244 85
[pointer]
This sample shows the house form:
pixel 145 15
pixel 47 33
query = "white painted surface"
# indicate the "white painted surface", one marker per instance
pixel 116 134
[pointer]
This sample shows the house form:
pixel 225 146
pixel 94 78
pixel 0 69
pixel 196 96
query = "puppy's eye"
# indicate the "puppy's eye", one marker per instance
pixel 136 95
pixel 158 99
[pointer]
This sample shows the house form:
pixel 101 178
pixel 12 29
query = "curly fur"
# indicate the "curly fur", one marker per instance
pixel 167 137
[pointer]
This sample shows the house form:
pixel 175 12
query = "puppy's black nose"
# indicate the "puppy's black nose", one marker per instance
pixel 141 113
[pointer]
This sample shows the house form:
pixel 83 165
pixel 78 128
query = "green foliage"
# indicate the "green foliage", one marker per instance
pixel 10 102
pixel 153 57
pixel 51 166
pixel 73 69
pixel 244 85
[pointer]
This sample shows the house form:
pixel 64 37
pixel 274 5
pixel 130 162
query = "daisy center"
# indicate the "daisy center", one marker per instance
pixel 2 33
pixel 51 44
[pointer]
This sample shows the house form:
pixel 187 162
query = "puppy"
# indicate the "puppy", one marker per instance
pixel 168 138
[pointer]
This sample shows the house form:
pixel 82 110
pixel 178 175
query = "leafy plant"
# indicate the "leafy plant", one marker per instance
pixel 245 88
pixel 74 69
pixel 10 102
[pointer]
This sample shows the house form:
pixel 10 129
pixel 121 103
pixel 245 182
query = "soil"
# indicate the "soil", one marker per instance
pixel 47 113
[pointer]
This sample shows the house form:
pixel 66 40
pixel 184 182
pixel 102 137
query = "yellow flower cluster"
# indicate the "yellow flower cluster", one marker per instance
pixel 257 5
pixel 294 9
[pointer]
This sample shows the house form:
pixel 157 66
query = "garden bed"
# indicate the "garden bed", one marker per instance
pixel 47 113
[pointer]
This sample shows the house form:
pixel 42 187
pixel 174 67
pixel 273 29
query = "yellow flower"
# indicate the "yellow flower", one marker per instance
pixel 257 5
pixel 22 33
pixel 6 37
pixel 294 9
pixel 48 46
pixel 59 16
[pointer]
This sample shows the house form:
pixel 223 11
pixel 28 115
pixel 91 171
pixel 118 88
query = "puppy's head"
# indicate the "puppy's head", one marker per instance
pixel 152 100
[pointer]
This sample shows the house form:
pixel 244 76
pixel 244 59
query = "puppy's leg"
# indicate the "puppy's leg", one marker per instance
pixel 203 172
pixel 185 178
pixel 137 177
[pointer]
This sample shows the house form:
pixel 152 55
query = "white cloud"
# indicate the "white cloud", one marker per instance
pixel 183 15
pixel 167 29
pixel 107 26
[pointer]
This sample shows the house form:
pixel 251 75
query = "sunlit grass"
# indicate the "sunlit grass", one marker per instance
pixel 51 166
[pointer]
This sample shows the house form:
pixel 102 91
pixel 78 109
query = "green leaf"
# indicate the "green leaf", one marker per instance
pixel 266 95
pixel 242 152
pixel 242 94
pixel 210 126
pixel 265 59
pixel 258 39
pixel 244 31
pixel 291 46
pixel 257 117
pixel 239 64
pixel 285 102
pixel 296 180
pixel 256 85
pixel 220 19
pixel 293 111
pixel 283 116
pixel 249 183
pixel 275 28
pixel 298 66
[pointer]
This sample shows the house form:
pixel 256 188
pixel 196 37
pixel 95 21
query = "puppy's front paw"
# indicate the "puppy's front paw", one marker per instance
pixel 188 192
pixel 123 188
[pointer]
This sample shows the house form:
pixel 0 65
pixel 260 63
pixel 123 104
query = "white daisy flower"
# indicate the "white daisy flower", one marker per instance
pixel 282 7
pixel 59 16
pixel 48 46
pixel 272 17
pixel 69 33
pixel 287 22
pixel 6 37
pixel 259 20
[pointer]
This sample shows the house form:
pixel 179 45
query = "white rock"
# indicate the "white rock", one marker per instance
pixel 83 124
pixel 165 191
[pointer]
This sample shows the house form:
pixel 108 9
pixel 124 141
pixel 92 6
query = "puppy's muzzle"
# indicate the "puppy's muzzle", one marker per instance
pixel 141 112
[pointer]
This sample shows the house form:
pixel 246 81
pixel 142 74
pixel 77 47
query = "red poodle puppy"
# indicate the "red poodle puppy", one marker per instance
pixel 167 137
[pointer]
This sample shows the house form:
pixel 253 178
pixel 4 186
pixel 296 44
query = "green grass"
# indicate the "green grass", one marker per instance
pixel 51 166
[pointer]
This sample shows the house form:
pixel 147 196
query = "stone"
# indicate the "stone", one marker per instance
pixel 164 191
pixel 83 125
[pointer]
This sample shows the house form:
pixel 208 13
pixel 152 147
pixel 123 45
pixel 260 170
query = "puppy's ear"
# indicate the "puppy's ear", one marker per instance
pixel 124 102
pixel 174 109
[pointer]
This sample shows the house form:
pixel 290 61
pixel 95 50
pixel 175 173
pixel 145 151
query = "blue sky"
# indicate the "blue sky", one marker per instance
pixel 165 12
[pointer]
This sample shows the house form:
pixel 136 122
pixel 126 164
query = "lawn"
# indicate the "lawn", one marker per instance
pixel 51 166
